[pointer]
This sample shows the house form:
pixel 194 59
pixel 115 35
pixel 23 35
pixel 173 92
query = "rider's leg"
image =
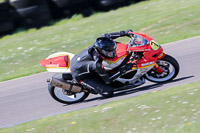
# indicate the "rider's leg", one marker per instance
pixel 98 86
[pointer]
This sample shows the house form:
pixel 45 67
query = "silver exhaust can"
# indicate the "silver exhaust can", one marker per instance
pixel 62 84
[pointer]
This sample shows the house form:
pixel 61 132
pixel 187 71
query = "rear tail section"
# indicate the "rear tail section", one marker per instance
pixel 58 62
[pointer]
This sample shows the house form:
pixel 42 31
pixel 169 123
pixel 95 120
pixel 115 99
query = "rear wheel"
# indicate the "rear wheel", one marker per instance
pixel 65 97
pixel 170 68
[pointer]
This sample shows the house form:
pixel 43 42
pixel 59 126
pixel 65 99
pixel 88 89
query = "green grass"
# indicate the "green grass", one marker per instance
pixel 164 20
pixel 167 111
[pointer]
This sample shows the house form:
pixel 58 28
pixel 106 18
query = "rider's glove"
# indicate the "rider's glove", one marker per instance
pixel 130 30
pixel 126 67
pixel 125 33
pixel 106 35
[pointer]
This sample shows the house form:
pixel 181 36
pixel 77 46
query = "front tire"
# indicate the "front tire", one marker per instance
pixel 170 68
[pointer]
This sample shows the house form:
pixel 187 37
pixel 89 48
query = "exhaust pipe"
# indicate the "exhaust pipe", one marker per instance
pixel 67 86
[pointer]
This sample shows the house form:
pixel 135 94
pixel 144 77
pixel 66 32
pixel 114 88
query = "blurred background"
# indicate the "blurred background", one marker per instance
pixel 37 13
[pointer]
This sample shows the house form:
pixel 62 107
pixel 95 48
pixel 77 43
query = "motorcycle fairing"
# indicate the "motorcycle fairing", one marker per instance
pixel 143 63
pixel 58 62
pixel 152 51
pixel 161 56
pixel 121 54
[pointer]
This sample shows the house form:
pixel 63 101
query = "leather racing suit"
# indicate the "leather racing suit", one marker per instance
pixel 88 62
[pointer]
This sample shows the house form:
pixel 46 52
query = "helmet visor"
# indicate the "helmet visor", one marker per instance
pixel 108 54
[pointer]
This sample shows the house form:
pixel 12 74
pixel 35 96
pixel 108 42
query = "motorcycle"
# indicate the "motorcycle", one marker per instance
pixel 149 63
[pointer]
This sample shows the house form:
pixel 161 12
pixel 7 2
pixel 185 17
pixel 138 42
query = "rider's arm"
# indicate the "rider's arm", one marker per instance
pixel 105 76
pixel 121 71
pixel 102 72
pixel 115 35
pixel 98 66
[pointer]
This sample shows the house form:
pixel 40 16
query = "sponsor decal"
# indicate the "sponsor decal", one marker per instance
pixel 148 63
pixel 118 59
pixel 154 45
pixel 52 65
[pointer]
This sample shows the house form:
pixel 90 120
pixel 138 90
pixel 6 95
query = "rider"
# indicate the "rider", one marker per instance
pixel 88 62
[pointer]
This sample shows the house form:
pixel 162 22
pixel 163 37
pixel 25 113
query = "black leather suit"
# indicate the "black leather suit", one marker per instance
pixel 87 63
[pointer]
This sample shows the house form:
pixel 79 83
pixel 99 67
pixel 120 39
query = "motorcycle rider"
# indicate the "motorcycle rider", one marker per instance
pixel 88 63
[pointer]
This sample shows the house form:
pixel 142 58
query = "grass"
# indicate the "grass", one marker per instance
pixel 164 20
pixel 167 111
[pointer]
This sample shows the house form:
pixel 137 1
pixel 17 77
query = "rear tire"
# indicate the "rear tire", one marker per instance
pixel 171 69
pixel 6 26
pixel 58 95
pixel 28 11
pixel 5 15
pixel 4 6
pixel 66 3
pixel 20 4
pixel 37 20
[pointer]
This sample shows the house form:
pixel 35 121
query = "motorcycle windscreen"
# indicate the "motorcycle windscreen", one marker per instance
pixel 57 63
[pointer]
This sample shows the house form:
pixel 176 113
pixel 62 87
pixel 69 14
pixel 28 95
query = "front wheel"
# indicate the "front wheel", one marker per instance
pixel 63 96
pixel 170 68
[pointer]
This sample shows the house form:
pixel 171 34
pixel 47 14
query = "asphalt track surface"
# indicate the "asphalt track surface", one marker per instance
pixel 27 98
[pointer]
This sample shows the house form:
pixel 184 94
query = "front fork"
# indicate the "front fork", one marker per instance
pixel 157 67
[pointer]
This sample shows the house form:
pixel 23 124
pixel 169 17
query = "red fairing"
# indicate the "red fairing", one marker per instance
pixel 121 52
pixel 153 54
pixel 152 51
pixel 55 62
pixel 141 48
pixel 149 52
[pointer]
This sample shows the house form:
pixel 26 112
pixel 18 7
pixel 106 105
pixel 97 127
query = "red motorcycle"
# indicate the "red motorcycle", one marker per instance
pixel 150 62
